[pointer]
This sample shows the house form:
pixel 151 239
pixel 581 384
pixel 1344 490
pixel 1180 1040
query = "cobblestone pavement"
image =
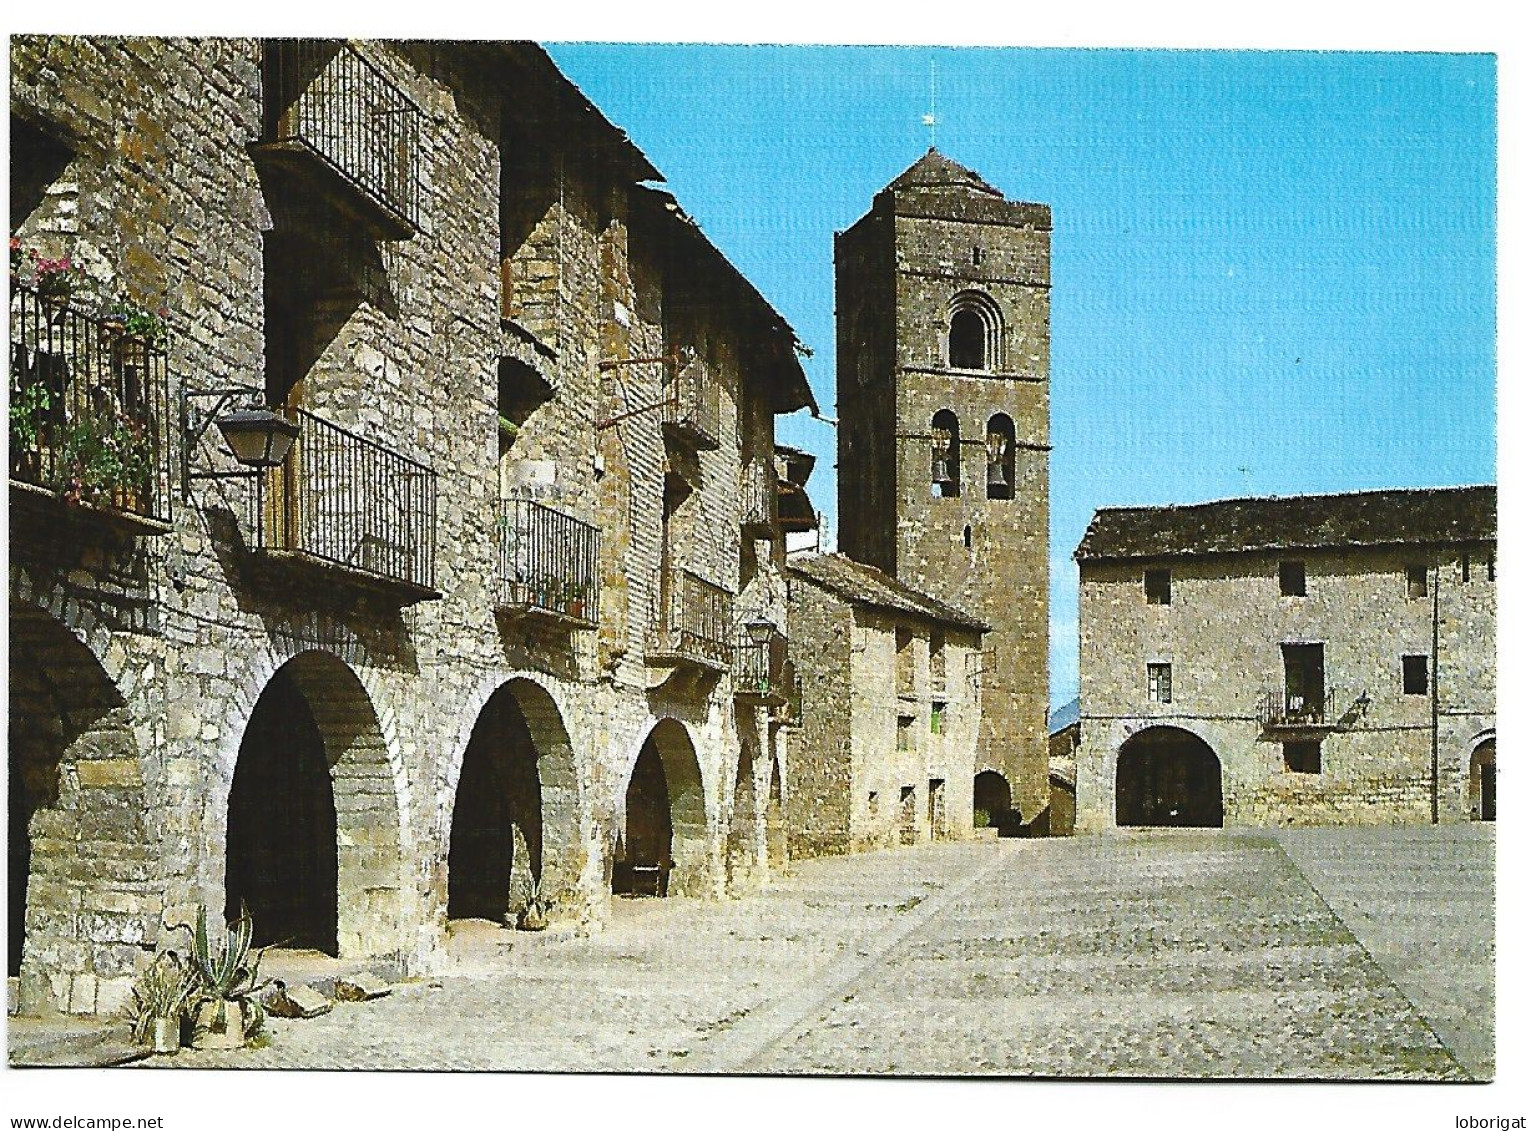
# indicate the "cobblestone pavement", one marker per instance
pixel 1159 954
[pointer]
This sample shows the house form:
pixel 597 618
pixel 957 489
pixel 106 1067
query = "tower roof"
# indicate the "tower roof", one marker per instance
pixel 935 171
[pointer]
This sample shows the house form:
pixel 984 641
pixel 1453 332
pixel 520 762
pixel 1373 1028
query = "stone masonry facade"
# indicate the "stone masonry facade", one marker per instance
pixel 943 373
pixel 885 751
pixel 1334 653
pixel 484 314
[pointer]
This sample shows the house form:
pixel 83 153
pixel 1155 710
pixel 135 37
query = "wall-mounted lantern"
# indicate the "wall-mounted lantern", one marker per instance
pixel 259 438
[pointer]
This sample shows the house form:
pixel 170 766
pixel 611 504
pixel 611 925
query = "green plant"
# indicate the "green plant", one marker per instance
pixel 981 819
pixel 167 988
pixel 105 451
pixel 227 974
pixel 29 409
pixel 535 912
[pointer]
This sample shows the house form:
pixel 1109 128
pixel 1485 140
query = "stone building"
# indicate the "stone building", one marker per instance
pixel 511 608
pixel 884 749
pixel 1319 659
pixel 1066 735
pixel 943 367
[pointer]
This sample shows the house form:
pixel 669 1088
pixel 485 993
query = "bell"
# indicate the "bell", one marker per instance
pixel 941 469
pixel 995 476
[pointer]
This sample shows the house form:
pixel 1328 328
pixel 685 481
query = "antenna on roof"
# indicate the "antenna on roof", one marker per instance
pixel 931 119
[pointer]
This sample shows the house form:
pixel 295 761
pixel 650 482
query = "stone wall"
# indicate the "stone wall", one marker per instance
pixel 406 347
pixel 1222 633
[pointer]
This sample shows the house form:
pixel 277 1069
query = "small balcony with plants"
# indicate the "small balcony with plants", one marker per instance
pixel 89 413
pixel 692 623
pixel 549 564
pixel 335 124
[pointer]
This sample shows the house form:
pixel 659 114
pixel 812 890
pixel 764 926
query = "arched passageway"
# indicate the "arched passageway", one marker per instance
pixel 1166 776
pixel 312 844
pixel 79 852
pixel 1482 781
pixel 664 847
pixel 993 803
pixel 515 810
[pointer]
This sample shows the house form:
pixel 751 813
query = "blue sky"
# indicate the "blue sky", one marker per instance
pixel 1273 271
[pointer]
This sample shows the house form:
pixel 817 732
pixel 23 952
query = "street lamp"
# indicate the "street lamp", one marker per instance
pixel 760 630
pixel 257 437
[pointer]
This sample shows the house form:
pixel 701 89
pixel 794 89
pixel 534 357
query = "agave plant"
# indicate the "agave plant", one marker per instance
pixel 167 989
pixel 228 974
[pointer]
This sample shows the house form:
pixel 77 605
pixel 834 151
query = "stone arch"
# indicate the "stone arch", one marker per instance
pixel 515 815
pixel 743 857
pixel 1482 777
pixel 1002 450
pixel 975 339
pixel 82 859
pixel 664 841
pixel 992 802
pixel 1168 776
pixel 313 730
pixel 944 449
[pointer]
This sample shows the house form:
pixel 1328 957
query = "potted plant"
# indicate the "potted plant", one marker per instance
pixel 535 913
pixel 106 456
pixel 30 409
pixel 56 279
pixel 229 1011
pixel 575 600
pixel 163 995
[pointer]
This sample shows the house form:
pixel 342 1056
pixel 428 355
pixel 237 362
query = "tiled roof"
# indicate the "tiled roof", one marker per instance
pixel 866 585
pixel 1365 518
pixel 934 170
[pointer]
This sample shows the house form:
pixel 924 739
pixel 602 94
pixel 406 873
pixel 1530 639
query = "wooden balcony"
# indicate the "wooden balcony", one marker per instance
pixel 691 405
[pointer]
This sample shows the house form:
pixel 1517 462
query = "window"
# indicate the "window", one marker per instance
pixel 1160 683
pixel 975 332
pixel 1304 757
pixel 944 446
pixel 1418 581
pixel 1159 586
pixel 1415 675
pixel 967 536
pixel 904 673
pixel 1466 568
pixel 1293 579
pixel 1306 684
pixel 904 724
pixel 936 719
pixel 976 257
pixel 1000 457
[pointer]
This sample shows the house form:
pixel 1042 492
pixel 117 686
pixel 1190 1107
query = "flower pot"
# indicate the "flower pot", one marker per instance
pixel 213 1033
pixel 576 609
pixel 165 1034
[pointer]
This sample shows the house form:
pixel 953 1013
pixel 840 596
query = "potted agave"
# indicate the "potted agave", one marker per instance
pixel 162 997
pixel 229 1012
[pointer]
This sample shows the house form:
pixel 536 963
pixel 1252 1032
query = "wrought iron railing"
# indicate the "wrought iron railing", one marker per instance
pixel 328 98
pixel 90 408
pixel 1279 711
pixel 759 668
pixel 548 562
pixel 346 500
pixel 759 487
pixel 691 404
pixel 693 621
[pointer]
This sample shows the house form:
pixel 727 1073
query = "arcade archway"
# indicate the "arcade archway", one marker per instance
pixel 664 847
pixel 1168 777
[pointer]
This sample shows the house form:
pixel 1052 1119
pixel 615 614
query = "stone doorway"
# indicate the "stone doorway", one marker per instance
pixel 313 837
pixel 1483 781
pixel 82 864
pixel 515 812
pixel 664 848
pixel 993 804
pixel 1168 777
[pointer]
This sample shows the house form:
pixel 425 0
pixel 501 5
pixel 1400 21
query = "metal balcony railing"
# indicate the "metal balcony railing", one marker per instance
pixel 759 490
pixel 692 622
pixel 347 501
pixel 691 404
pixel 1279 711
pixel 759 669
pixel 548 563
pixel 90 408
pixel 325 99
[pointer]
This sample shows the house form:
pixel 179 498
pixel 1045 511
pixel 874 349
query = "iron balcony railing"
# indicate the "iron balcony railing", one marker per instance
pixel 693 622
pixel 759 669
pixel 347 501
pixel 548 562
pixel 759 488
pixel 90 408
pixel 691 404
pixel 325 98
pixel 1280 711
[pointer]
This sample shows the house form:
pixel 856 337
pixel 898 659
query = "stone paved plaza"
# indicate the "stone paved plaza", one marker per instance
pixel 1339 954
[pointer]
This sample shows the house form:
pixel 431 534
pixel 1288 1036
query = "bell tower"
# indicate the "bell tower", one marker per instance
pixel 943 391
